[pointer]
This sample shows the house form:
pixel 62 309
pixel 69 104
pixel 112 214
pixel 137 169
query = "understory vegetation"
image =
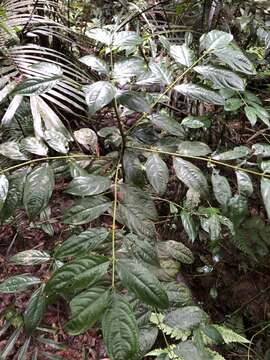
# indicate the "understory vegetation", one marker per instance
pixel 134 180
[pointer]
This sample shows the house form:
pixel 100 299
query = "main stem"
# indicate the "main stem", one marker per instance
pixel 114 222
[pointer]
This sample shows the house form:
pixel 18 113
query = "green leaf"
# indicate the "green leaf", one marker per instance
pixel 189 225
pixel 36 86
pixel 251 114
pixel 221 188
pixel 244 183
pixel 212 226
pixel 215 40
pixel 101 35
pixel 187 350
pixel 11 150
pixel 78 274
pixel 196 122
pixel 38 189
pixel 142 283
pixel 234 57
pixel 88 185
pixel 30 257
pixel 201 93
pixel 4 186
pixel 193 148
pixel 133 169
pixel 233 104
pixel 95 63
pixel 191 176
pixel 157 173
pixel 126 39
pixel 182 54
pixel 142 249
pixel 56 140
pixel 165 122
pixel 86 241
pixel 185 318
pixel 134 101
pixel 18 283
pixel 34 146
pixel 221 77
pixel 15 193
pixel 158 73
pixel 261 150
pixel 176 250
pixel 147 338
pixel 120 331
pixel 265 191
pixel 126 70
pixel 86 309
pixel 86 210
pixel 236 153
pixel 34 310
pixel 98 95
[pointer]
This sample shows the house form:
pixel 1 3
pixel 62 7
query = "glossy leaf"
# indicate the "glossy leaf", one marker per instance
pixel 56 140
pixel 157 173
pixel 99 95
pixel 245 186
pixel 36 86
pixel 221 77
pixel 87 240
pixel 189 225
pixel 196 122
pixel 197 92
pixel 126 70
pixel 86 210
pixel 134 101
pixel 18 283
pixel 34 146
pixel 236 153
pixel 182 54
pixel 142 283
pixel 120 331
pixel 11 150
pixel 215 40
pixel 193 148
pixel 30 257
pixel 191 176
pixel 88 185
pixel 4 186
pixel 186 318
pixel 168 124
pixel 38 189
pixel 221 188
pixel 265 191
pixel 78 274
pixel 95 63
pixel 34 311
pixel 86 309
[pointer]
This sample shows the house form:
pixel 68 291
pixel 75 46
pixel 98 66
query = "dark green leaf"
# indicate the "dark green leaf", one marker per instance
pixel 36 86
pixel 157 173
pixel 86 309
pixel 221 188
pixel 120 331
pixel 88 240
pixel 38 189
pixel 168 124
pixel 88 185
pixel 86 210
pixel 34 310
pixel 134 101
pixel 186 318
pixel 191 176
pixel 189 225
pixel 99 95
pixel 142 283
pixel 78 274
pixel 197 92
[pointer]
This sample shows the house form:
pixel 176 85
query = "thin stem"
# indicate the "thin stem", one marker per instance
pixel 114 223
pixel 206 159
pixel 169 88
pixel 62 157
